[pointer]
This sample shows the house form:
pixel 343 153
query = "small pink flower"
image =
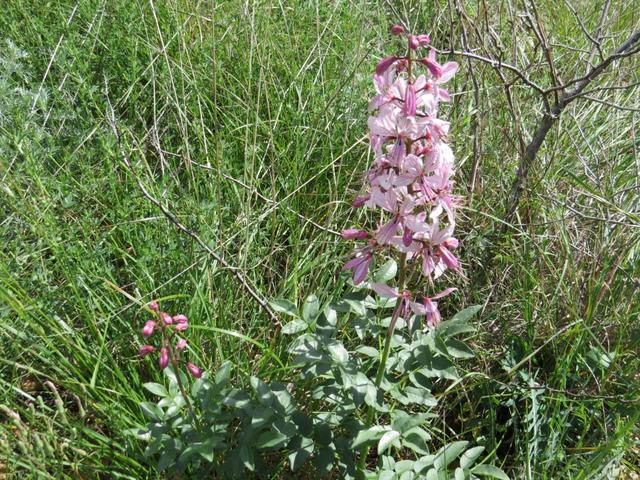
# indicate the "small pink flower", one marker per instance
pixel 166 318
pixel 147 330
pixel 397 29
pixel 181 345
pixel 180 318
pixel 194 370
pixel 153 305
pixel 354 234
pixel 360 267
pixel 163 361
pixel 181 327
pixel 413 42
pixel 146 350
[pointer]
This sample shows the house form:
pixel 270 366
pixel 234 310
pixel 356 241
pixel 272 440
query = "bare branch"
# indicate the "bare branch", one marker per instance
pixel 174 220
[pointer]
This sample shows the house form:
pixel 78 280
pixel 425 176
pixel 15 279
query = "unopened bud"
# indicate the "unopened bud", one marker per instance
pixel 181 345
pixel 163 361
pixel 180 318
pixel 397 29
pixel 194 370
pixel 147 330
pixel 153 305
pixel 354 234
pixel 146 350
pixel 166 318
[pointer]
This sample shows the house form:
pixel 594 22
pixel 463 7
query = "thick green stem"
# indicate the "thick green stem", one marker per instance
pixel 364 451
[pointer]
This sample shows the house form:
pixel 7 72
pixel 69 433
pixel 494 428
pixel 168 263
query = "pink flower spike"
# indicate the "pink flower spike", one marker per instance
pixel 180 318
pixel 397 29
pixel 181 345
pixel 166 318
pixel 354 234
pixel 153 305
pixel 410 101
pixel 147 330
pixel 194 370
pixel 163 361
pixel 385 63
pixel 181 327
pixel 146 350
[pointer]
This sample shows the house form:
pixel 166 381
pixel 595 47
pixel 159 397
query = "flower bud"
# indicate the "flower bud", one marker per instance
pixel 414 43
pixel 153 305
pixel 397 29
pixel 146 350
pixel 354 234
pixel 194 370
pixel 182 343
pixel 423 40
pixel 410 101
pixel 166 318
pixel 384 64
pixel 163 361
pixel 180 318
pixel 360 201
pixel 147 330
pixel 181 327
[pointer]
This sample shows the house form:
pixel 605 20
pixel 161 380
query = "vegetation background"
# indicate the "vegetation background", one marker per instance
pixel 247 120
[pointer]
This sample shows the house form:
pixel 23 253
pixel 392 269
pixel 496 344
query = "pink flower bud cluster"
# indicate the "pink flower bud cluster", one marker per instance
pixel 410 180
pixel 168 327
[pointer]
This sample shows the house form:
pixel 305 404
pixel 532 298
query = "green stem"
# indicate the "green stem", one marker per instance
pixel 364 451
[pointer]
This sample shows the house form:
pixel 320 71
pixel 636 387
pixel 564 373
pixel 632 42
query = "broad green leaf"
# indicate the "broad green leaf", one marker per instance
pixel 310 308
pixel 470 456
pixel 466 314
pixel 223 373
pixel 386 440
pixel 449 453
pixel 156 389
pixel 368 351
pixel 323 460
pixel 151 410
pixel 458 349
pixel 386 272
pixel 489 471
pixel 369 435
pixel 271 439
pixel 294 326
pixel 301 449
pixel 338 352
pixel 282 305
pixel 247 457
pixel 460 474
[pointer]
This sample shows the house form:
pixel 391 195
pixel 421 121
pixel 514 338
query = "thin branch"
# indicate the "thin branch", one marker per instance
pixel 174 220
pixel 527 160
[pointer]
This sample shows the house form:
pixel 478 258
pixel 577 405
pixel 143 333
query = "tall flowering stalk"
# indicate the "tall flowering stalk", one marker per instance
pixel 409 184
pixel 171 345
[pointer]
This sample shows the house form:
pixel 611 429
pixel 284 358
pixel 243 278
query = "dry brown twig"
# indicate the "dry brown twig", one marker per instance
pixel 248 287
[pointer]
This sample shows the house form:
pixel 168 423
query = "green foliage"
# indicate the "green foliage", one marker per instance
pixel 236 430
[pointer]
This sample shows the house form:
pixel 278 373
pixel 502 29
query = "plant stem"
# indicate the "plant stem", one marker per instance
pixel 364 451
pixel 174 363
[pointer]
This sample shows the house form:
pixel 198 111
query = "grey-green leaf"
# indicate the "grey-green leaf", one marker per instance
pixel 310 308
pixel 156 389
pixel 294 326
pixel 285 306
pixel 489 471
pixel 387 439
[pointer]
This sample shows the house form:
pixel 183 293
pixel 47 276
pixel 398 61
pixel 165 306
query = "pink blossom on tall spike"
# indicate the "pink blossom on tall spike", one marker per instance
pixel 354 234
pixel 384 64
pixel 153 305
pixel 163 361
pixel 397 29
pixel 410 101
pixel 166 318
pixel 180 318
pixel 146 350
pixel 360 267
pixel 181 345
pixel 194 370
pixel 147 330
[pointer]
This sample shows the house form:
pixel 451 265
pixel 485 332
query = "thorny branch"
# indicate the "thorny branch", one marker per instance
pixel 262 302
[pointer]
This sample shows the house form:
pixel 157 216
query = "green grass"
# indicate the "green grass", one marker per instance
pixel 247 119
